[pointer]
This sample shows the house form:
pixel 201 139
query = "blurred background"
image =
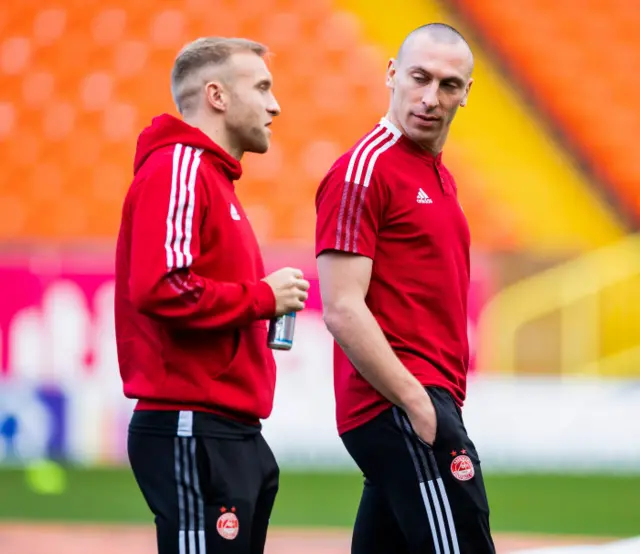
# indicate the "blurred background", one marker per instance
pixel 548 170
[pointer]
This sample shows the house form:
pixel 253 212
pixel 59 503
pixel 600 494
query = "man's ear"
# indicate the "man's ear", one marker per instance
pixel 216 96
pixel 465 98
pixel 391 74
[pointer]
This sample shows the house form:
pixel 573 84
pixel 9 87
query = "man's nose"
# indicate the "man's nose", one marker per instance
pixel 430 95
pixel 274 107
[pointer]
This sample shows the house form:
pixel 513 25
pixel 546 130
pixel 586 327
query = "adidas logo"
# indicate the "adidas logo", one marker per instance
pixel 423 197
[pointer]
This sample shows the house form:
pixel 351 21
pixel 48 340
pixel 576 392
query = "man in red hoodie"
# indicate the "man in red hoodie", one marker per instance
pixel 192 305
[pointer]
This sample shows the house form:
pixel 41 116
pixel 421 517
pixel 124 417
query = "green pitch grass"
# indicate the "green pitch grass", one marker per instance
pixel 586 505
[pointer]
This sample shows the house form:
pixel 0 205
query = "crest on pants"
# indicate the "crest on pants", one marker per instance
pixel 462 468
pixel 228 524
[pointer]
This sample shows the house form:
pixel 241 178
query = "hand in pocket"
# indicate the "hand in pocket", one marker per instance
pixel 423 419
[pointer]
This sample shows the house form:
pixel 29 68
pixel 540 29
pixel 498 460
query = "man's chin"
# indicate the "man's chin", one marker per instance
pixel 259 148
pixel 422 135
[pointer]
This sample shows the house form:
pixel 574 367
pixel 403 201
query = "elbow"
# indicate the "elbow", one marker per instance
pixel 142 301
pixel 337 317
pixel 142 298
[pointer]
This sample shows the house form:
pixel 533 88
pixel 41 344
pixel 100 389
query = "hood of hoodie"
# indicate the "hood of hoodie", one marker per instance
pixel 167 130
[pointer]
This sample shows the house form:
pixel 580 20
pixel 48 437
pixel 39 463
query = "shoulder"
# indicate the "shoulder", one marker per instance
pixel 173 173
pixel 172 159
pixel 367 160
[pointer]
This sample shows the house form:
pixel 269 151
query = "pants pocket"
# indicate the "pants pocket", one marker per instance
pixel 443 410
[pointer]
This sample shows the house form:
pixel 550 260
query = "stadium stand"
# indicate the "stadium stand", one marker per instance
pixel 69 127
pixel 579 66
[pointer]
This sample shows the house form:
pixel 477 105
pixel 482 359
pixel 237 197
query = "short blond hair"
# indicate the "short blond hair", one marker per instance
pixel 187 75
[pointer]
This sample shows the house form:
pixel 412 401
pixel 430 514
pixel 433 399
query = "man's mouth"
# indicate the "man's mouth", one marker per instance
pixel 427 118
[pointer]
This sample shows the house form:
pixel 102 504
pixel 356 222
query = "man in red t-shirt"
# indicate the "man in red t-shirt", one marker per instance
pixel 192 304
pixel 392 246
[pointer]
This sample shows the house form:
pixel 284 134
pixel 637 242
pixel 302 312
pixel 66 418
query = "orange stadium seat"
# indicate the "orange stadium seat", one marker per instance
pixel 578 60
pixel 80 78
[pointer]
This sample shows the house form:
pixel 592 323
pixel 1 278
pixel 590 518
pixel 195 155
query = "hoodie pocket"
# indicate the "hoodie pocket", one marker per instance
pixel 233 346
pixel 214 352
pixel 251 353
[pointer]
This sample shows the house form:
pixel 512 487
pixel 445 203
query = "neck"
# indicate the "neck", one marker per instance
pixel 434 147
pixel 216 131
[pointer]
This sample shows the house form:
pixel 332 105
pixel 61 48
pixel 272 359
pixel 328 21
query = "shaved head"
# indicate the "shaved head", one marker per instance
pixel 439 33
pixel 429 80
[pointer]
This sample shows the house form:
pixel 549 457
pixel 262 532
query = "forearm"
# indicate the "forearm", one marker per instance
pixel 183 299
pixel 360 336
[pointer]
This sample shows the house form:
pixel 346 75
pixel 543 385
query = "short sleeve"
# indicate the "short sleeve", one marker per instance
pixel 349 207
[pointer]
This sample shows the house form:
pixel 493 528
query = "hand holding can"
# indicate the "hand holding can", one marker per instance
pixel 291 291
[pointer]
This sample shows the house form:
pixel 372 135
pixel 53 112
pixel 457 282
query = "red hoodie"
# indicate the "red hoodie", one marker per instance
pixel 190 306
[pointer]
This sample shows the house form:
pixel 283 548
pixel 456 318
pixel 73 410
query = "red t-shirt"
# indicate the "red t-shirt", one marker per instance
pixel 395 203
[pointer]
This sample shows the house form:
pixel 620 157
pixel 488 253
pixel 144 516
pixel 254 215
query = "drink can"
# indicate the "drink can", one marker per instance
pixel 281 329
